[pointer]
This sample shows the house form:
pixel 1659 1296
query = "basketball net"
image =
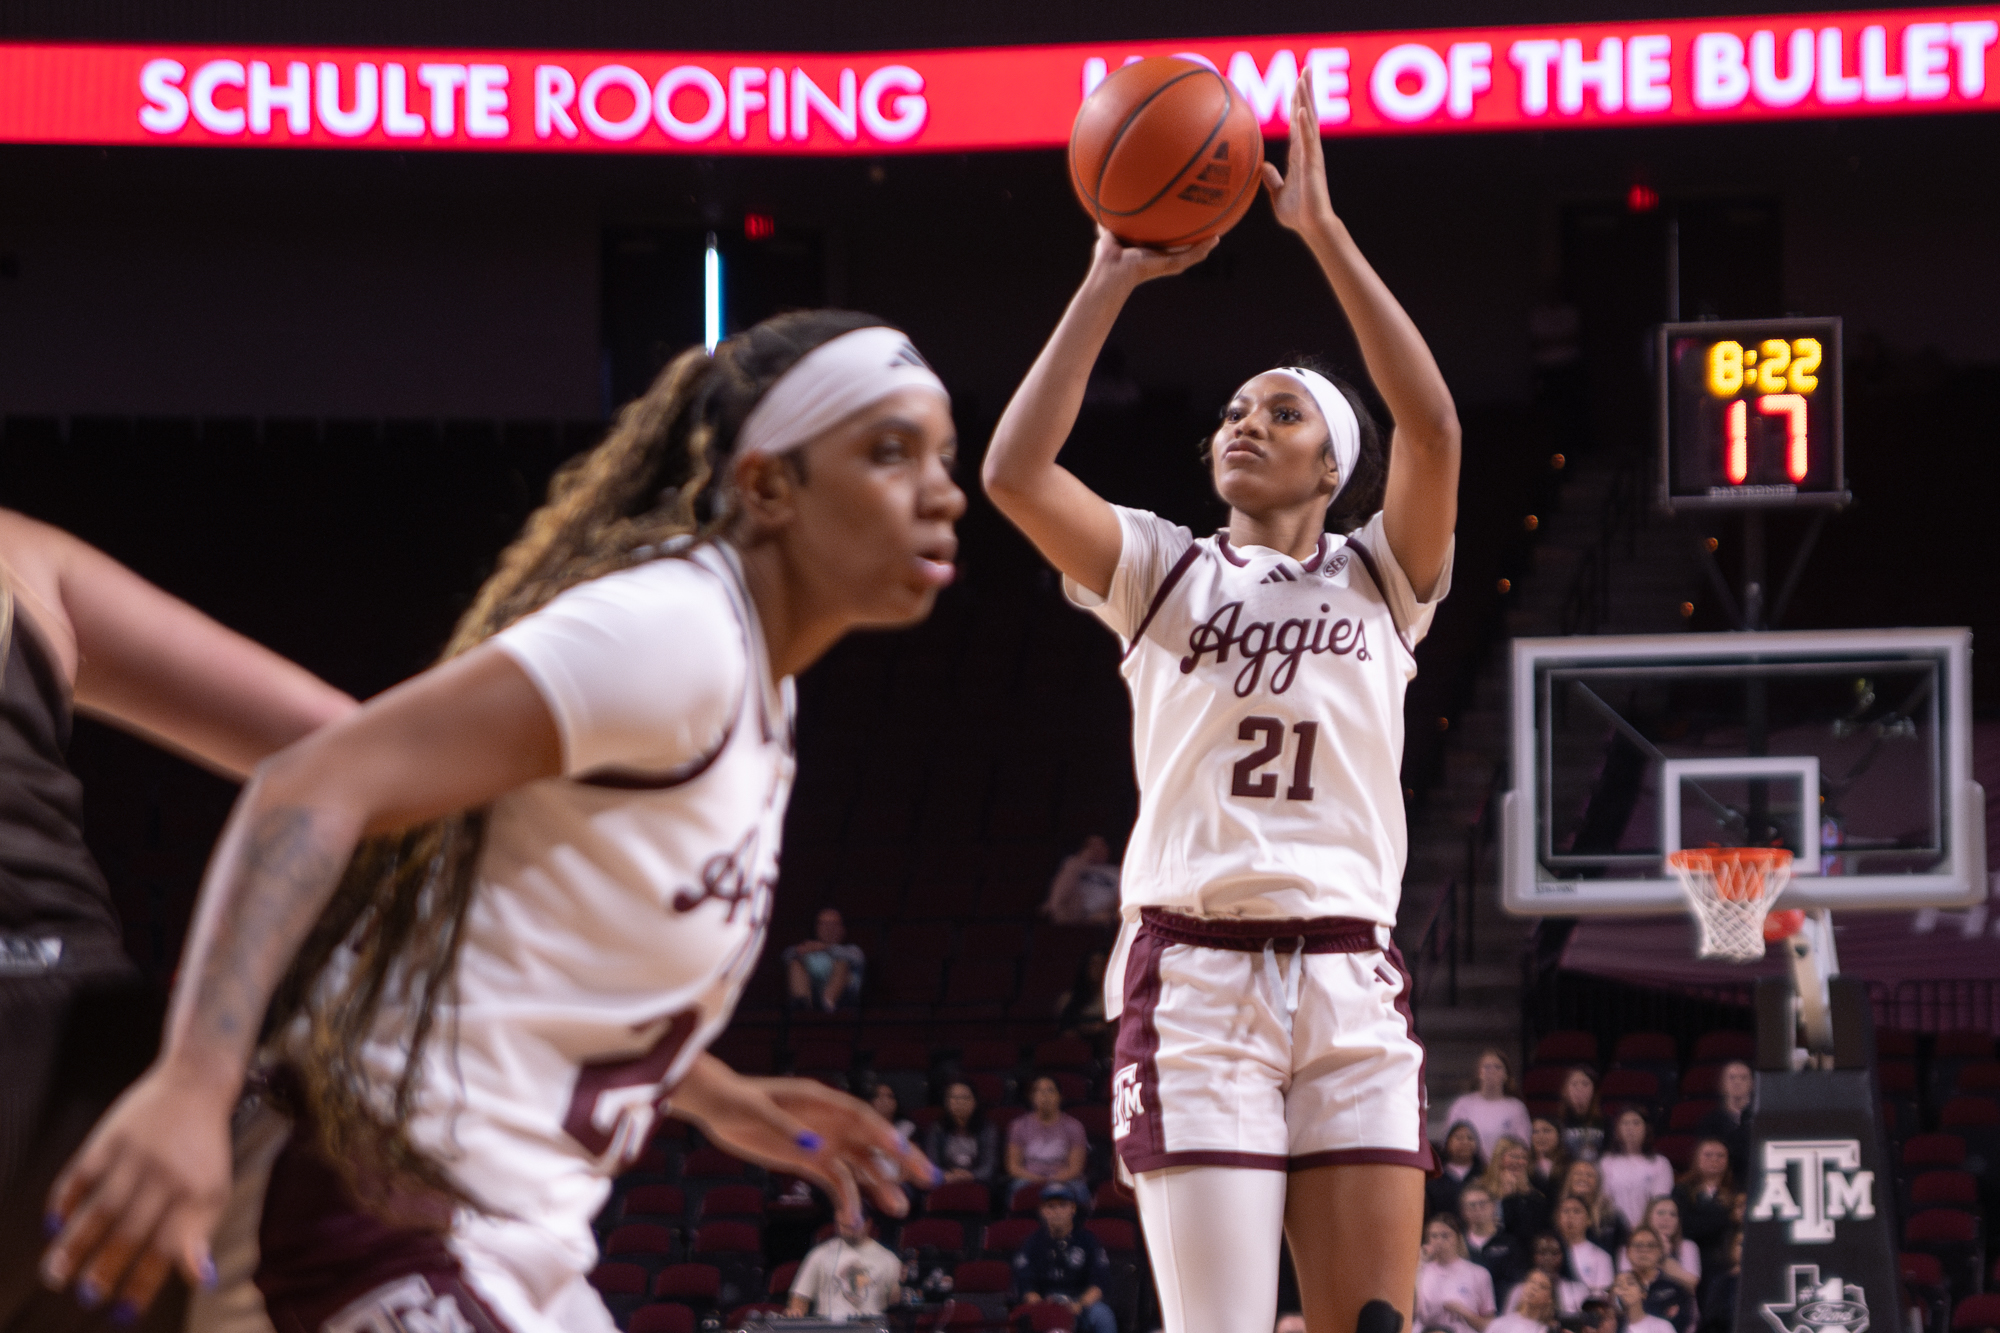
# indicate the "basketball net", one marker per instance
pixel 1731 889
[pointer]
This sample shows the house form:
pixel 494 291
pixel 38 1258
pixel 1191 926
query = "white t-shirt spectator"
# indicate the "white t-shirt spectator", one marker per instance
pixel 842 1281
pixel 1593 1266
pixel 1631 1182
pixel 1460 1281
pixel 1491 1117
pixel 1650 1323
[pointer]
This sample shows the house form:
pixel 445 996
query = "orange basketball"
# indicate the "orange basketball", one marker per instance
pixel 1165 153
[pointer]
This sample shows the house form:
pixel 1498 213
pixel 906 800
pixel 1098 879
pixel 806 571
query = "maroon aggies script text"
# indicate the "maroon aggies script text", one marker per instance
pixel 1255 641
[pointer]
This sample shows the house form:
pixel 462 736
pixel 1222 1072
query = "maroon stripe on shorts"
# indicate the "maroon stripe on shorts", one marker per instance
pixel 1428 1161
pixel 1144 1147
pixel 1322 934
pixel 326 1261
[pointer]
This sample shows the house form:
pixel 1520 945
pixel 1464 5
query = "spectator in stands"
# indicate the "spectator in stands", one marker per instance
pixel 1680 1258
pixel 1551 1260
pixel 1535 1307
pixel 825 971
pixel 1490 1106
pixel 961 1142
pixel 1663 1296
pixel 1547 1162
pixel 1458 1163
pixel 1607 1228
pixel 1633 1173
pixel 1592 1266
pixel 890 1108
pixel 1085 889
pixel 1048 1148
pixel 1290 1321
pixel 1057 1262
pixel 1730 1120
pixel 1718 1302
pixel 1578 1117
pixel 1499 1252
pixel 849 1276
pixel 1634 1314
pixel 1707 1195
pixel 1523 1210
pixel 1453 1293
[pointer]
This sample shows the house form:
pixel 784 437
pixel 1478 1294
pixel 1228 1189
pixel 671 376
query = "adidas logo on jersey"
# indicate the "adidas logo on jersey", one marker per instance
pixel 1279 574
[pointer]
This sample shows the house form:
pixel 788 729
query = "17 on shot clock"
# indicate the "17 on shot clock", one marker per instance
pixel 1750 415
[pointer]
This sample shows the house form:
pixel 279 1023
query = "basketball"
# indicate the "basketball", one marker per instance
pixel 1783 925
pixel 1165 153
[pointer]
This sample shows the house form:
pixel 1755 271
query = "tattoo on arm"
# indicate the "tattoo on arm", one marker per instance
pixel 287 869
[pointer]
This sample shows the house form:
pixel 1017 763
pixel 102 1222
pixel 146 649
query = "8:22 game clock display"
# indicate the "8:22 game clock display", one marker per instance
pixel 1750 414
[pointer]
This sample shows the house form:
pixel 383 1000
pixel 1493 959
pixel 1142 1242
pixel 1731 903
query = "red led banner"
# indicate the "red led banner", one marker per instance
pixel 1683 72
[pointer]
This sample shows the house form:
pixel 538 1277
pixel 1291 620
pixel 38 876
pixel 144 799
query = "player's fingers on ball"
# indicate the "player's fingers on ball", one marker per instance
pixel 86 1223
pixel 1274 179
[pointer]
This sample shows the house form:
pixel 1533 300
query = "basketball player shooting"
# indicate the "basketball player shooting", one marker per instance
pixel 1267 1079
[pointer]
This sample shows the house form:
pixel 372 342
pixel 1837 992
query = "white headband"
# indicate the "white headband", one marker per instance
pixel 830 384
pixel 1340 420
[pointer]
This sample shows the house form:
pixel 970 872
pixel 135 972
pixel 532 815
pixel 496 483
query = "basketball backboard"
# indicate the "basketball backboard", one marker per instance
pixel 1852 748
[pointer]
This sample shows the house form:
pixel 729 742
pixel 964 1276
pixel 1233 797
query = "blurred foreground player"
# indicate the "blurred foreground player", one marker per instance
pixel 1266 1075
pixel 497 914
pixel 77 1023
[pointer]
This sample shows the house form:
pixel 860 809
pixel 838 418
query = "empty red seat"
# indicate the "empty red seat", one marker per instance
pixel 1689 1114
pixel 1108 1202
pixel 1962 1044
pixel 1969 1113
pixel 661 1319
pixel 1026 1201
pixel 639 1238
pixel 781 1278
pixel 989 1057
pixel 1944 1188
pixel 1678 1149
pixel 689 1282
pixel 1566 1048
pixel 1979 1076
pixel 1115 1233
pixel 902 1055
pixel 1981 1311
pixel 743 1202
pixel 961 1199
pixel 727 1238
pixel 990 1089
pixel 1934 1150
pixel 1006 1236
pixel 1646 1048
pixel 1073 1053
pixel 619 1279
pixel 979 1277
pixel 712 1164
pixel 1096 1122
pixel 934 1233
pixel 653 1201
pixel 1952 1225
pixel 1921 1269
pixel 1544 1081
pixel 963 1314
pixel 1896 1044
pixel 1721 1047
pixel 1700 1080
pixel 1896 1077
pixel 1630 1085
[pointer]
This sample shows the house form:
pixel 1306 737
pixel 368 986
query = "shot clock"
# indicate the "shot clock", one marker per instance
pixel 1750 414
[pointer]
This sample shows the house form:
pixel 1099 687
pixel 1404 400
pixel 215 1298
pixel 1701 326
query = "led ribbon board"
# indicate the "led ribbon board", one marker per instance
pixel 1788 66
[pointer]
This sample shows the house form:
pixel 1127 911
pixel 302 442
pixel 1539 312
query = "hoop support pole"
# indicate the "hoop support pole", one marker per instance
pixel 1814 963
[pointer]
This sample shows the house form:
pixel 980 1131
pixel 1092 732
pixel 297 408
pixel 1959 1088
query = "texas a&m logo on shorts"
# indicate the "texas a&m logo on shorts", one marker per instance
pixel 1127 1100
pixel 407 1305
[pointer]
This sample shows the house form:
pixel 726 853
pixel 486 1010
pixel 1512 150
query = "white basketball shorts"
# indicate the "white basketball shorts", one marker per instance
pixel 1278 1044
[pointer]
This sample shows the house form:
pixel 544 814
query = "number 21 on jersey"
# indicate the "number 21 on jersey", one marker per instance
pixel 1248 776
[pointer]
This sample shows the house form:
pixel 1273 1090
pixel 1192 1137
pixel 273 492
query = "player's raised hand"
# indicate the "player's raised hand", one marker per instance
pixel 142 1196
pixel 793 1124
pixel 1299 198
pixel 1134 264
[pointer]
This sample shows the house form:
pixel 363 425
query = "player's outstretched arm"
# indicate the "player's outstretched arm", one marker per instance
pixel 1421 507
pixel 144 1193
pixel 804 1127
pixel 149 663
pixel 1069 524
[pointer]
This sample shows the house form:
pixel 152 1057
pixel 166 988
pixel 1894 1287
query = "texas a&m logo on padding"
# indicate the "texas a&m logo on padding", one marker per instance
pixel 1830 1186
pixel 1127 1100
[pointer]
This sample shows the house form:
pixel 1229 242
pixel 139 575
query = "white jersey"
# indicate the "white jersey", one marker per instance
pixel 619 908
pixel 1267 720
